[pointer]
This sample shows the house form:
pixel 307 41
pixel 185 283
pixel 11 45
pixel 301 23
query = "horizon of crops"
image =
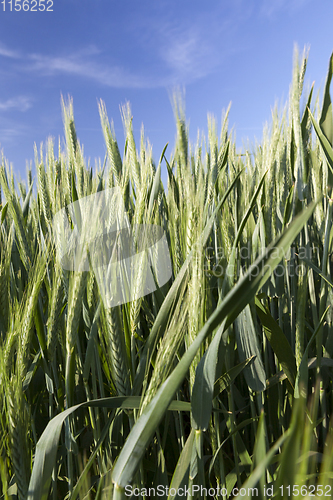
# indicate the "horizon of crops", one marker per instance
pixel 219 379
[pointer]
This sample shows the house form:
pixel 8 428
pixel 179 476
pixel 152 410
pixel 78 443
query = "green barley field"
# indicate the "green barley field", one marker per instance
pixel 217 384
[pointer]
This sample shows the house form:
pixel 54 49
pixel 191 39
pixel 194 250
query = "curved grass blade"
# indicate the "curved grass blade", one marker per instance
pixel 4 211
pixel 317 270
pixel 230 307
pixel 292 448
pixel 183 465
pixel 227 378
pixel 232 433
pixel 203 387
pixel 259 451
pixel 260 469
pixel 25 207
pixel 247 345
pixel 302 374
pixel 163 314
pixel 325 144
pixel 46 450
pixel 278 342
pixel 326 115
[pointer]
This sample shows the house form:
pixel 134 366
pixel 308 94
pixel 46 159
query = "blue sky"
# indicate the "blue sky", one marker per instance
pixel 139 51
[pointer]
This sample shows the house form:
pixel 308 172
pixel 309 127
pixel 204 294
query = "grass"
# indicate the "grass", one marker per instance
pixel 217 383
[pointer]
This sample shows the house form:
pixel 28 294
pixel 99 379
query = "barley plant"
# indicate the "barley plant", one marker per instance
pixel 218 381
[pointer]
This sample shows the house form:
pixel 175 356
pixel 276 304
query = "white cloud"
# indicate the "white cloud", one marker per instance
pixel 11 134
pixel 112 76
pixel 86 62
pixel 270 9
pixel 187 56
pixel 22 103
pixel 179 51
pixel 5 52
pixel 193 47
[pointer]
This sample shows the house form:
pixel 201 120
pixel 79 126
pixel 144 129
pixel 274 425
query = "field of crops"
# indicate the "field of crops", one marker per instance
pixel 215 384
